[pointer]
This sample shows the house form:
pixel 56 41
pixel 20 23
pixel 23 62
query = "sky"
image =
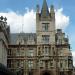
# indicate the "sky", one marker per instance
pixel 22 13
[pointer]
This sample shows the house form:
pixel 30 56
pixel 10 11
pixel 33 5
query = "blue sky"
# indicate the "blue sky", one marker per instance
pixel 21 5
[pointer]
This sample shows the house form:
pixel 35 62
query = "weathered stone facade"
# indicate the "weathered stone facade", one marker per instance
pixel 46 52
pixel 4 40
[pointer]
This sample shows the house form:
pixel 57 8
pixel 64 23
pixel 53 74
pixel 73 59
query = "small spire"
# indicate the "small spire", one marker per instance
pixel 52 9
pixel 22 27
pixel 44 10
pixel 37 8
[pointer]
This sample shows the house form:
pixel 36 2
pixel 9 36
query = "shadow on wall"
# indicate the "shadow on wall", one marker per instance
pixel 5 71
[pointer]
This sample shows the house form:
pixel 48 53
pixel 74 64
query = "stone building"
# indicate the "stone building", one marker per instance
pixel 4 40
pixel 46 52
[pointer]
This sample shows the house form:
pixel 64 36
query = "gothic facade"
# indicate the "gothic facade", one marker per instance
pixel 46 52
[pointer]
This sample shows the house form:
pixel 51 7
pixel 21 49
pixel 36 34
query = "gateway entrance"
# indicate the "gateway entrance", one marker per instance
pixel 46 73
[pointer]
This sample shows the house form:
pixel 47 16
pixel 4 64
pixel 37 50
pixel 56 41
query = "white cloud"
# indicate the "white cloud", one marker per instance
pixel 15 20
pixel 62 21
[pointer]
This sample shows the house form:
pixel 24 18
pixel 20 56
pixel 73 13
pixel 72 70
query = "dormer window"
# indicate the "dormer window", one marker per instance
pixel 20 40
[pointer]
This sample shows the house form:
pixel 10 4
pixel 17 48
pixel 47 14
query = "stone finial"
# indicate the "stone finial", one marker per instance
pixel 5 19
pixel 1 18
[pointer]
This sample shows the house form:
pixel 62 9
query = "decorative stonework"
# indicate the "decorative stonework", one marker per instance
pixel 46 52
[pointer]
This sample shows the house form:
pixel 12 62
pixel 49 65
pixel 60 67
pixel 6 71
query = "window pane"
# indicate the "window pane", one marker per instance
pixel 46 51
pixel 45 26
pixel 31 52
pixel 30 64
pixel 45 39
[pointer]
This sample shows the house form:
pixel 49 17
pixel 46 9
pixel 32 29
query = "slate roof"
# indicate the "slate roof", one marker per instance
pixel 25 36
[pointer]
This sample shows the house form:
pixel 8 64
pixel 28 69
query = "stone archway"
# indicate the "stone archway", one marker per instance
pixel 46 73
pixel 30 73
